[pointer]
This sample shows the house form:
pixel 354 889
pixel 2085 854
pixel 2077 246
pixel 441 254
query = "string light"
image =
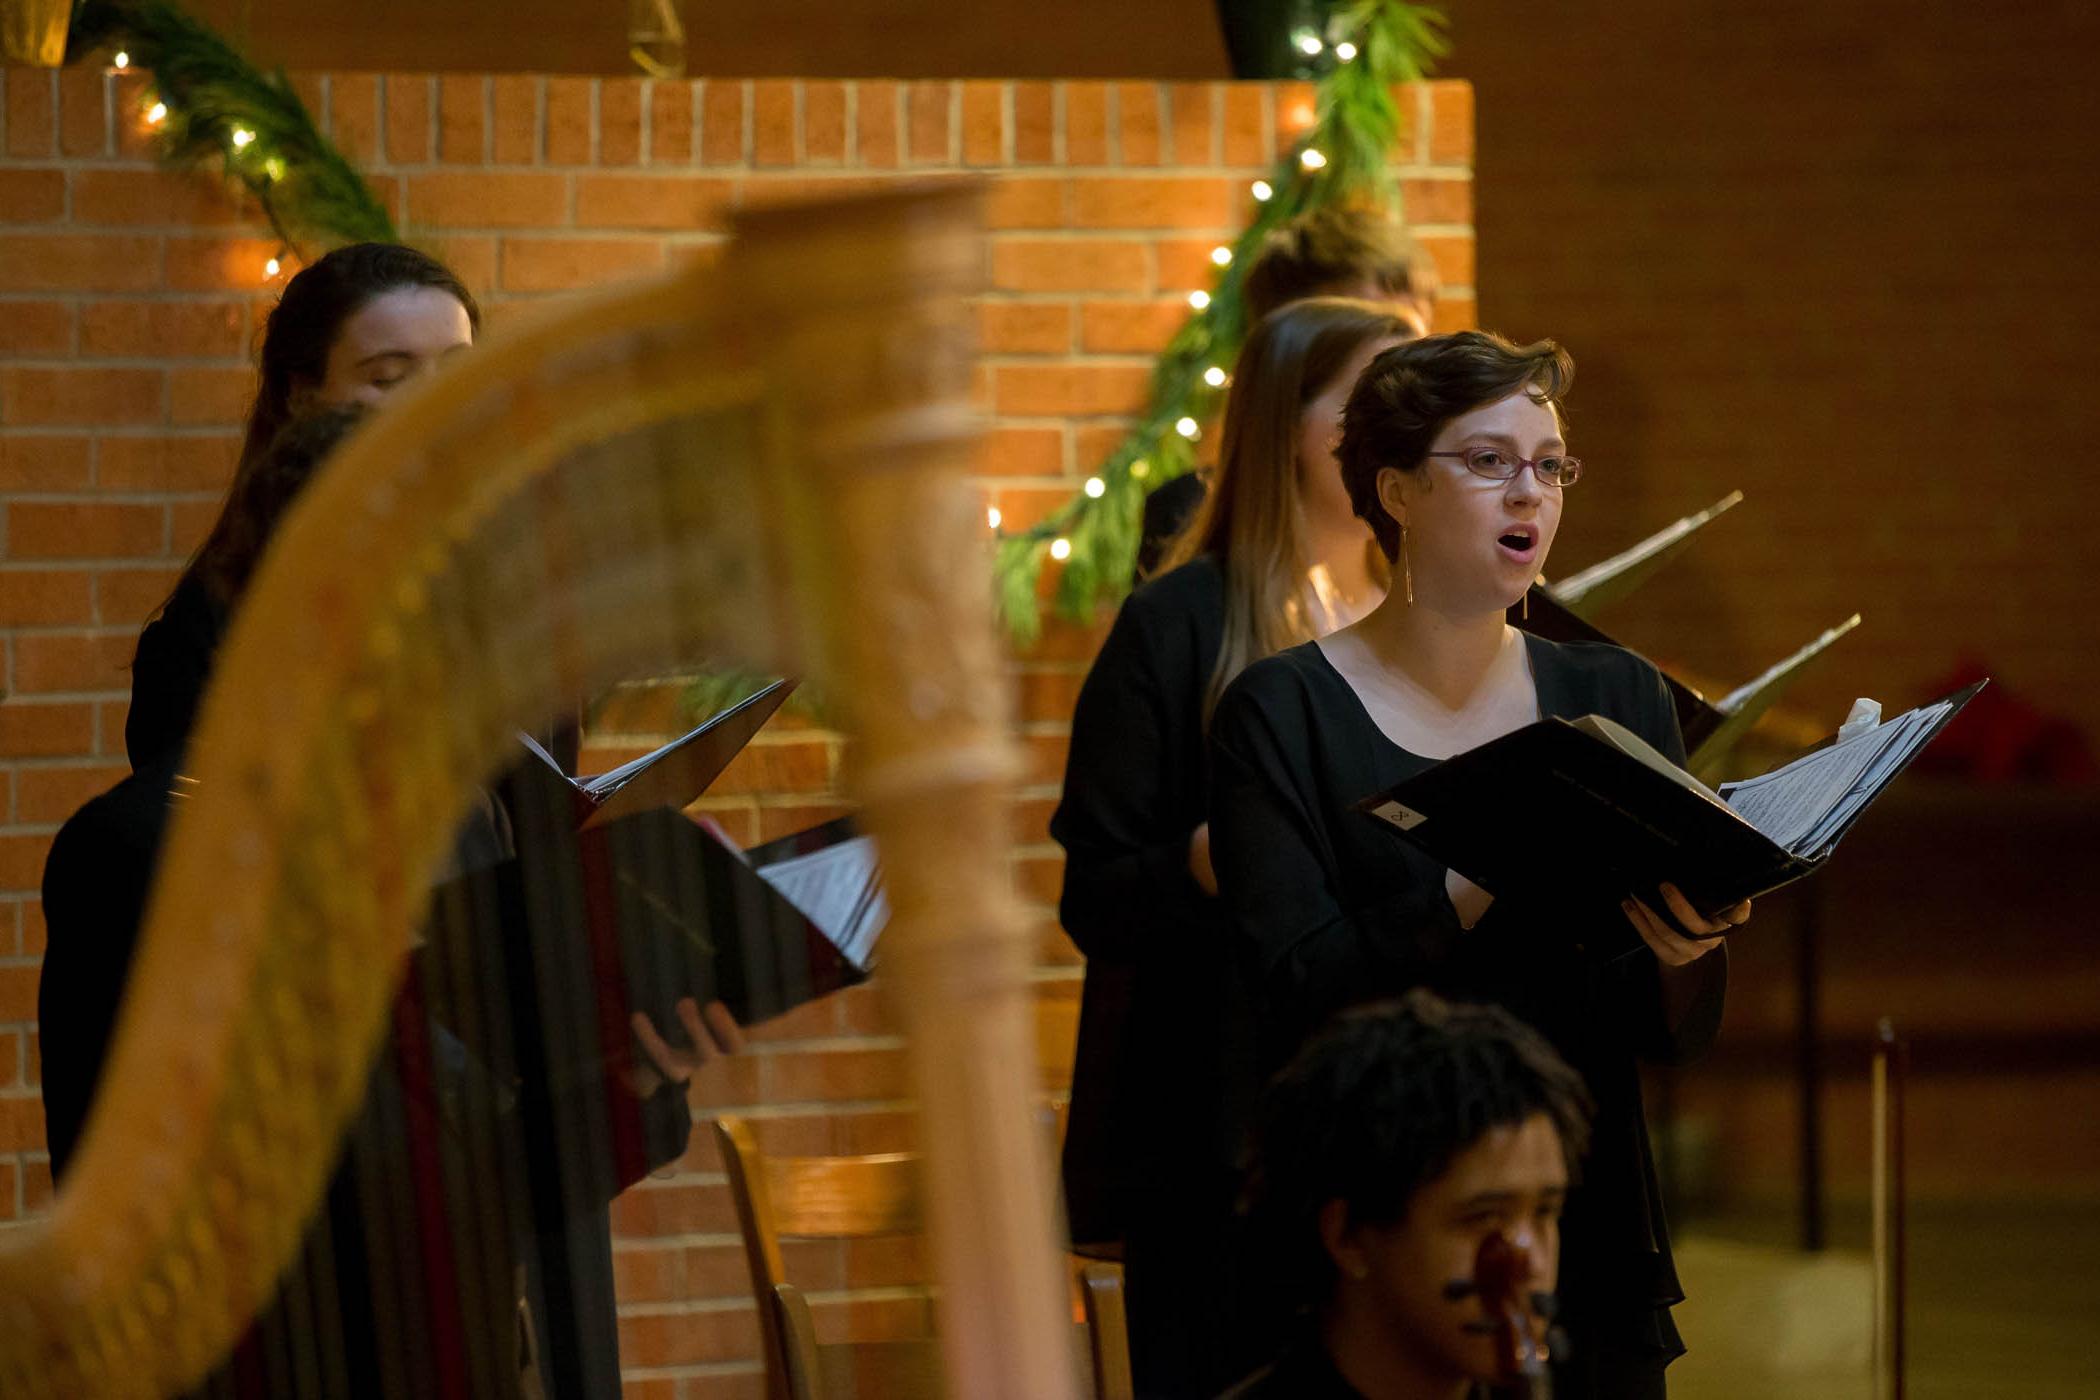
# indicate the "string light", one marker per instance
pixel 272 268
pixel 1214 377
pixel 1309 44
pixel 1096 487
pixel 1199 300
pixel 1311 159
pixel 1060 548
pixel 1141 469
pixel 156 114
pixel 992 516
pixel 1345 51
pixel 121 61
pixel 242 138
pixel 274 168
pixel 1188 428
pixel 1263 191
pixel 1221 255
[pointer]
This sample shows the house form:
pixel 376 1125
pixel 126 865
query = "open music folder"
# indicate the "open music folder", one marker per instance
pixel 1587 809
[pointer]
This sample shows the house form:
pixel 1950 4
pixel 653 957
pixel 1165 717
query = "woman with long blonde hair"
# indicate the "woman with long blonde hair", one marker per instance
pixel 1164 1077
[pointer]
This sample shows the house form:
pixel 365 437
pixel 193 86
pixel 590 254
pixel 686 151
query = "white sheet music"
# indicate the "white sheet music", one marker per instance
pixel 839 889
pixel 1804 804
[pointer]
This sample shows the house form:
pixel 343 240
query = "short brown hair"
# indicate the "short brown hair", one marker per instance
pixel 1411 391
pixel 1333 251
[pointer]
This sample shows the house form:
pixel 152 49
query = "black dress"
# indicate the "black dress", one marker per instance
pixel 463 1246
pixel 1333 908
pixel 1164 1070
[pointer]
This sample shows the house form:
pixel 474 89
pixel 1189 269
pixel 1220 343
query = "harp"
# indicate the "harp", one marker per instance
pixel 763 461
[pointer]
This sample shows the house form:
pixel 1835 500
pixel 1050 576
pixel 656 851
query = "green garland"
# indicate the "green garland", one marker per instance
pixel 1370 46
pixel 214 107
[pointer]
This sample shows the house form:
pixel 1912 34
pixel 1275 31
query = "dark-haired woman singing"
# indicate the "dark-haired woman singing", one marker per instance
pixel 1453 452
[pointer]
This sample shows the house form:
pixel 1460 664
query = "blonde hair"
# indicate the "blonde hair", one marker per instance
pixel 1252 520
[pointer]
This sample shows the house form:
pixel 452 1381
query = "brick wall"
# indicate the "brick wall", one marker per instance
pixel 128 300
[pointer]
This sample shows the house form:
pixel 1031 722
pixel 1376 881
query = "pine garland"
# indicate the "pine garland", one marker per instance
pixel 1369 47
pixel 213 107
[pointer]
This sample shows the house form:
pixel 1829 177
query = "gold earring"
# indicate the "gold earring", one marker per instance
pixel 1407 575
pixel 1526 612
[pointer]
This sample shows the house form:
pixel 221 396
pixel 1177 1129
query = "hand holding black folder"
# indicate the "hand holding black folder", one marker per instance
pixel 1587 810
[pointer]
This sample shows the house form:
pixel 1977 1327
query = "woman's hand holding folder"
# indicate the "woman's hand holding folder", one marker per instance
pixel 1674 949
pixel 713 1032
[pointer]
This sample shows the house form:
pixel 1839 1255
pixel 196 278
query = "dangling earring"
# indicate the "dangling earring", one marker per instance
pixel 1525 613
pixel 1407 575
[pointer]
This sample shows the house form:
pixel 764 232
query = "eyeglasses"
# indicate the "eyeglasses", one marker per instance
pixel 1493 464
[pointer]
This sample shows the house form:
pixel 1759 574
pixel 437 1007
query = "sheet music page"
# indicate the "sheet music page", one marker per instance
pixel 839 890
pixel 1787 803
pixel 1909 732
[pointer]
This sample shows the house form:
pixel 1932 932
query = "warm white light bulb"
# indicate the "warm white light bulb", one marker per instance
pixel 1188 427
pixel 1311 159
pixel 1221 255
pixel 242 138
pixel 122 60
pixel 1096 487
pixel 1345 51
pixel 1060 548
pixel 1141 469
pixel 157 113
pixel 1309 44
pixel 1263 191
pixel 992 516
pixel 1214 377
pixel 271 268
pixel 1199 300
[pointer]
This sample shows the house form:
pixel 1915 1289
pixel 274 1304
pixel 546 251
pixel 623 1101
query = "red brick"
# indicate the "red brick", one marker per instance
pixel 569 104
pixel 21 1116
pixel 353 115
pixel 210 397
pixel 1026 202
pixel 1246 129
pixel 1455 313
pixel 773 122
pixel 10 1078
pixel 823 123
pixel 1451 123
pixel 1038 879
pixel 83 113
pixel 722 122
pixel 984 123
pixel 190 463
pixel 1184 264
pixel 1047 697
pixel 408 119
pixel 1092 442
pixel 57 729
pixel 472 259
pixel 671 123
pixel 1025 390
pixel 1069 265
pixel 1151 203
pixel 875 122
pixel 931 133
pixel 36 1186
pixel 1021 452
pixel 164 329
pixel 52 662
pixel 799 766
pixel 620 121
pixel 36 262
pixel 33 931
pixel 686 1338
pixel 1031 816
pixel 1035 123
pixel 44 462
pixel 84 530
pixel 45 598
pixel 1024 328
pixel 32 113
pixel 219 264
pixel 127 597
pixel 1297 109
pixel 822 1076
pixel 307 87
pixel 188 523
pixel 1437 201
pixel 1192 123
pixel 651 202
pixel 1130 327
pixel 153 197
pixel 478 199
pixel 463 125
pixel 32 196
pixel 22 864
pixel 558 264
pixel 1086 123
pixel 514 135
pixel 131 95
pixel 78 396
pixel 50 795
pixel 1138 108
pixel 1453 255
pixel 36 328
pixel 677 1208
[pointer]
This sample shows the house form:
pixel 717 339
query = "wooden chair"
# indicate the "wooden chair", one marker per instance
pixel 857 1198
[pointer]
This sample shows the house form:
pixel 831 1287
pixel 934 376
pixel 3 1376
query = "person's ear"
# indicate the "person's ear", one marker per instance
pixel 1340 1241
pixel 1394 487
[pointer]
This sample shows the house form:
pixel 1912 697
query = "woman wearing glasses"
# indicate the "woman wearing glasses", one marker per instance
pixel 1452 452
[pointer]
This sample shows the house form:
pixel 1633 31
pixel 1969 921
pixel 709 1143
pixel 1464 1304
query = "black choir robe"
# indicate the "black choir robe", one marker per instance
pixel 1332 908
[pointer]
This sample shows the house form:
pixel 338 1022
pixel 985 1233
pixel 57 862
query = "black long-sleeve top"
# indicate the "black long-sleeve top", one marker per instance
pixel 1333 908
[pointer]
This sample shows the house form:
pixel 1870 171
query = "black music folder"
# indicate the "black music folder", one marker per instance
pixel 1587 809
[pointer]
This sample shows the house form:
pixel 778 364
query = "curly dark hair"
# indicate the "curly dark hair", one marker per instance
pixel 1407 395
pixel 1378 1105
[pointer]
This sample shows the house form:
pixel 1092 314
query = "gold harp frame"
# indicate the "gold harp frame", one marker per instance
pixel 398 634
